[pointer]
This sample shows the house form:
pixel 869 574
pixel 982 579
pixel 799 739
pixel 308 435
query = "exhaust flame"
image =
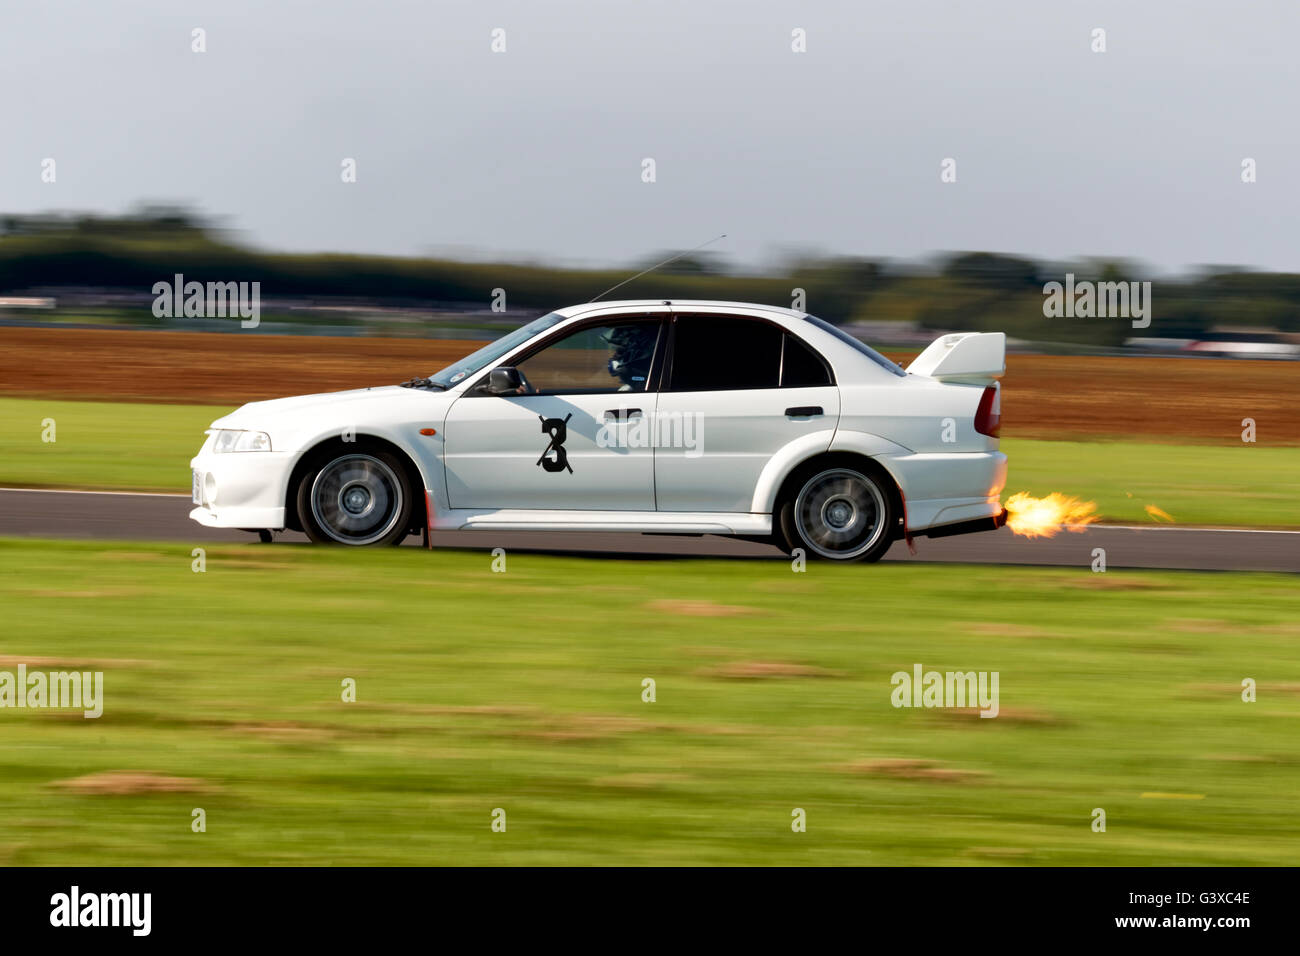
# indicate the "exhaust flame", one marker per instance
pixel 1158 513
pixel 1044 517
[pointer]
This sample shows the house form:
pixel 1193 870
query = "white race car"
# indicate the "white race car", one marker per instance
pixel 670 417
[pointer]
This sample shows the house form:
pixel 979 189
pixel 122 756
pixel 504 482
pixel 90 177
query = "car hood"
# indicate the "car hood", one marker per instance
pixel 354 406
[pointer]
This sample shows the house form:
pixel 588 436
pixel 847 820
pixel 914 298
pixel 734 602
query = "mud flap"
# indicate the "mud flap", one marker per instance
pixel 428 520
pixel 907 535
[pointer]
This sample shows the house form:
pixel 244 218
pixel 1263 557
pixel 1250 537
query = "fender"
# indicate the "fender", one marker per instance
pixel 872 446
pixel 389 435
pixel 808 446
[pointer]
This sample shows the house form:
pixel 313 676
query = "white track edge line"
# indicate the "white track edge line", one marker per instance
pixel 74 491
pixel 1101 527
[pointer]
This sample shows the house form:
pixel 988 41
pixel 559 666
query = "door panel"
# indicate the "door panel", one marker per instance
pixel 750 388
pixel 736 433
pixel 549 452
pixel 575 438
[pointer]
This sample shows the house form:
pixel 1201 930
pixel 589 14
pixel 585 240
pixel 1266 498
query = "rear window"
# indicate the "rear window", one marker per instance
pixel 858 345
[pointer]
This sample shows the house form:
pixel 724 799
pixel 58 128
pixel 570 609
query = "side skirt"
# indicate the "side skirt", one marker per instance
pixel 663 522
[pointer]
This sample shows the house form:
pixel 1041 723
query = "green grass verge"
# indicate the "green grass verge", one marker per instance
pixel 1247 485
pixel 110 445
pixel 523 691
pixel 148 448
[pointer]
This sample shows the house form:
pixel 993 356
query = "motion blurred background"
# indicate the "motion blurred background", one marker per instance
pixel 505 148
pixel 91 271
pixel 501 175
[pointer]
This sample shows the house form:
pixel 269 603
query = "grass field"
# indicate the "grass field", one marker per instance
pixel 117 446
pixel 148 447
pixel 523 691
pixel 1247 485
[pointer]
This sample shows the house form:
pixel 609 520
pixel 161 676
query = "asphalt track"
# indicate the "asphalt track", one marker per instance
pixel 122 516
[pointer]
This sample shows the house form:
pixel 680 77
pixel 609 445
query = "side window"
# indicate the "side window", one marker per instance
pixel 801 367
pixel 724 353
pixel 599 358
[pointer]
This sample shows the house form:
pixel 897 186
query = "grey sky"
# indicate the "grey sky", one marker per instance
pixel 537 152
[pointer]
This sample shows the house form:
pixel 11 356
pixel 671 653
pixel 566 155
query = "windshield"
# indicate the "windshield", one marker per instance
pixel 858 344
pixel 488 354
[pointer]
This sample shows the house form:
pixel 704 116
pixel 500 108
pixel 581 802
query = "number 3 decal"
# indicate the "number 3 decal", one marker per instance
pixel 558 429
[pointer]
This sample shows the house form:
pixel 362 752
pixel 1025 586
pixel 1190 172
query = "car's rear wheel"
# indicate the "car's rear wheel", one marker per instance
pixel 838 513
pixel 356 498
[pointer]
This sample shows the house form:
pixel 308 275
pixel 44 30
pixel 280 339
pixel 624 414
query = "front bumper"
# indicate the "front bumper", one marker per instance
pixel 240 489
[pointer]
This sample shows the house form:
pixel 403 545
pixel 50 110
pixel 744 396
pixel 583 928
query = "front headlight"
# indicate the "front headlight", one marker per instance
pixel 235 439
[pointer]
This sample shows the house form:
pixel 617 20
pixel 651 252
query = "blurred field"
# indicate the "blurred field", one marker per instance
pixel 202 367
pixel 119 446
pixel 222 691
pixel 1244 485
pixel 1054 397
pixel 138 447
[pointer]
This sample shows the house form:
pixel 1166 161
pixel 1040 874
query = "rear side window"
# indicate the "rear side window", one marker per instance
pixel 801 367
pixel 858 345
pixel 716 353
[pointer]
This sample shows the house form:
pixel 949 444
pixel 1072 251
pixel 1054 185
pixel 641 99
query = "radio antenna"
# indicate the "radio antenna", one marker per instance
pixel 659 265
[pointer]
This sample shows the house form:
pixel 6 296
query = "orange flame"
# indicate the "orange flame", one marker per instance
pixel 1044 517
pixel 1158 513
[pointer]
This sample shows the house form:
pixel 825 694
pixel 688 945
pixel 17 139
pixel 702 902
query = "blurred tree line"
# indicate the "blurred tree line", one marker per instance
pixel 964 291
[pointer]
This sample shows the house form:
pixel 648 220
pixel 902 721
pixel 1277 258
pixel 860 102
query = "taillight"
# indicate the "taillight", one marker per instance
pixel 988 417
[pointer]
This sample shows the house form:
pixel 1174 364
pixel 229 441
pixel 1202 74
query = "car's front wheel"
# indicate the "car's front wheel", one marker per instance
pixel 357 498
pixel 838 513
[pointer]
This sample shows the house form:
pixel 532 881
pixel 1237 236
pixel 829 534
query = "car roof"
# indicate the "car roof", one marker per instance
pixel 850 365
pixel 574 310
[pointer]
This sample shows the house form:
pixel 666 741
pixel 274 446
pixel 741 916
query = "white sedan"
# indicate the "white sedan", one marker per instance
pixel 686 417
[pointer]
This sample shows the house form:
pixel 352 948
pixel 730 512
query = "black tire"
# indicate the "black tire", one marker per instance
pixel 837 511
pixel 359 497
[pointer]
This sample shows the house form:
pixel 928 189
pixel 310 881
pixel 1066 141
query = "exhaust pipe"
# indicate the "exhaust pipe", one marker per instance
pixel 967 527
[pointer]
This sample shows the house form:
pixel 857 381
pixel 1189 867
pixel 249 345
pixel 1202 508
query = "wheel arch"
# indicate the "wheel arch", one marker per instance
pixel 363 440
pixel 828 459
pixel 796 455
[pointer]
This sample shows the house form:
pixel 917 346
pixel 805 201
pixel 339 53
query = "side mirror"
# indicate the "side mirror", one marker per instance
pixel 503 381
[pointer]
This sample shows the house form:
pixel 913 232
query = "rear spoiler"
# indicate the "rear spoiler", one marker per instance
pixel 975 358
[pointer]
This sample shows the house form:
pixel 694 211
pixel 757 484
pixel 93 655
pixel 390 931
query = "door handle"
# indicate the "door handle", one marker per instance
pixel 803 411
pixel 619 414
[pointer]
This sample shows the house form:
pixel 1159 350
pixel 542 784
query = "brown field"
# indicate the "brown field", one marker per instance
pixel 1055 397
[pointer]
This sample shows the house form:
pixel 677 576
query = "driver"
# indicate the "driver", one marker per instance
pixel 631 349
